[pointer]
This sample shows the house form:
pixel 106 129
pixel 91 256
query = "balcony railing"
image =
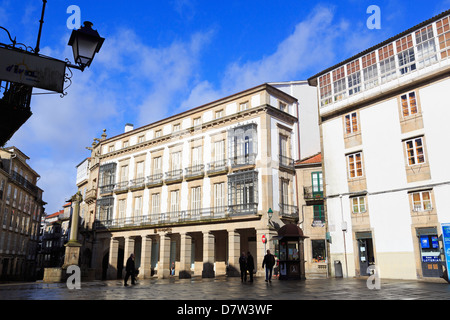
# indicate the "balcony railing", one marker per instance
pixel 310 195
pixel 174 176
pixel 196 171
pixel 121 187
pixel 217 167
pixel 138 183
pixel 243 160
pixel 154 179
pixel 287 162
pixel 106 189
pixel 289 211
pixel 200 214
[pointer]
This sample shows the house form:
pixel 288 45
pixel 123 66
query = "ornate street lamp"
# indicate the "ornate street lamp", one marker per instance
pixel 85 43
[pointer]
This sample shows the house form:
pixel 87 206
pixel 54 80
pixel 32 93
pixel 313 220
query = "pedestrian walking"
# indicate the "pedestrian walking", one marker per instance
pixel 268 262
pixel 243 267
pixel 130 270
pixel 250 265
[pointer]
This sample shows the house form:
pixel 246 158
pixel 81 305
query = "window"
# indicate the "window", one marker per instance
pixel 355 165
pixel 243 106
pixel 219 114
pixel 243 191
pixel 140 170
pixel 122 208
pixel 325 90
pixel 176 160
pixel 422 201
pixel 243 145
pixel 387 63
pixel 141 139
pixel 351 123
pixel 105 208
pixel 176 127
pixel 353 77
pixel 318 250
pixel 409 104
pixel 358 204
pixel 196 200
pixel 414 151
pixel 443 32
pixel 317 183
pixel 197 156
pixel 107 174
pixel 137 207
pixel 284 193
pixel 219 195
pixel 125 144
pixel 111 148
pixel 426 48
pixel 156 201
pixel 319 213
pixel 339 85
pixel 175 201
pixel 283 106
pixel 197 121
pixel 405 54
pixel 370 71
pixel 219 151
pixel 158 133
pixel 124 173
pixel 157 165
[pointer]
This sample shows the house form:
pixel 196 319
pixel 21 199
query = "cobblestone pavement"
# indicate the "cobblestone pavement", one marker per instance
pixel 223 288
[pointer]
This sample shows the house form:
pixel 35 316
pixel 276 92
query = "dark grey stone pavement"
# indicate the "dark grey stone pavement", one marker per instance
pixel 230 289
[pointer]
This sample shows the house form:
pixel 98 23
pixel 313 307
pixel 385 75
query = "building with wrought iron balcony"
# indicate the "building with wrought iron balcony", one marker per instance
pixel 211 175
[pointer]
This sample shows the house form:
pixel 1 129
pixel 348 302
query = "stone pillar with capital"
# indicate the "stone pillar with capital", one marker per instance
pixel 208 255
pixel 164 256
pixel 146 257
pixel 185 256
pixel 234 248
pixel 128 250
pixel 113 257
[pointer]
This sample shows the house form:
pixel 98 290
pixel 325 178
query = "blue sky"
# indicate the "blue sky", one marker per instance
pixel 163 57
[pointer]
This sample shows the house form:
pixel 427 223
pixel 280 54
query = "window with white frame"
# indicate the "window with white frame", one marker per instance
pixel 156 202
pixel 325 89
pixel 174 200
pixel 406 55
pixel 426 47
pixel 415 151
pixel 122 208
pixel 219 114
pixel 409 104
pixel 196 200
pixel 282 106
pixel 197 121
pixel 219 195
pixel 157 162
pixel 158 133
pixel 140 170
pixel 422 201
pixel 339 85
pixel 351 123
pixel 124 173
pixel 387 63
pixel 370 70
pixel 176 160
pixel 141 139
pixel 443 33
pixel 358 204
pixel 197 156
pixel 353 77
pixel 176 127
pixel 243 106
pixel 138 206
pixel 219 151
pixel 355 165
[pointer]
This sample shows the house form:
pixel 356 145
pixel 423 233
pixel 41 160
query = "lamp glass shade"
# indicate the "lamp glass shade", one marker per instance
pixel 85 44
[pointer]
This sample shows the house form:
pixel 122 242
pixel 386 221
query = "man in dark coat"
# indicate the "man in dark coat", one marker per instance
pixel 269 262
pixel 130 270
pixel 243 267
pixel 250 265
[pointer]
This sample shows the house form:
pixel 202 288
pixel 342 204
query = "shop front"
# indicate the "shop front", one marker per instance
pixel 430 252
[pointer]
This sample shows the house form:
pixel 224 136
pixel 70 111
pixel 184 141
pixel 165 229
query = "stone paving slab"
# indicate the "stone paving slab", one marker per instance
pixel 223 288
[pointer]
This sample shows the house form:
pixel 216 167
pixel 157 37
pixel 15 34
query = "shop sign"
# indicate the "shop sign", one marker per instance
pixel 32 70
pixel 446 242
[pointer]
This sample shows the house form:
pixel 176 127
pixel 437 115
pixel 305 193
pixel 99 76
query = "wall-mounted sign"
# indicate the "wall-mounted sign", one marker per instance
pixel 32 70
pixel 446 242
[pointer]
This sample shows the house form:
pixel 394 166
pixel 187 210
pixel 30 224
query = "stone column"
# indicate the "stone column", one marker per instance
pixel 146 258
pixel 234 248
pixel 113 256
pixel 185 256
pixel 164 256
pixel 208 255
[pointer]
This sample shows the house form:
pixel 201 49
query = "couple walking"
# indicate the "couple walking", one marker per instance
pixel 246 263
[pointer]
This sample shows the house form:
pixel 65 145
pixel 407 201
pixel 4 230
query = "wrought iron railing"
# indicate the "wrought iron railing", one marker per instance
pixel 310 194
pixel 243 160
pixel 195 171
pixel 218 166
pixel 121 186
pixel 137 183
pixel 287 162
pixel 174 175
pixel 154 179
pixel 201 214
pixel 288 210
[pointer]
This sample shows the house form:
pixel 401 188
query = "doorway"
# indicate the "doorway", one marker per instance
pixel 366 253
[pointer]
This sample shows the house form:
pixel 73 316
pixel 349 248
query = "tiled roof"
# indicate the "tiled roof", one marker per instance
pixel 55 214
pixel 317 158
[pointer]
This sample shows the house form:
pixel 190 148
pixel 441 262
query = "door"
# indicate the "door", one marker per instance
pixel 366 256
pixel 430 255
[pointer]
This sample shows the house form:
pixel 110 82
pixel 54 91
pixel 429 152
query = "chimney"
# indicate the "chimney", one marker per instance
pixel 129 127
